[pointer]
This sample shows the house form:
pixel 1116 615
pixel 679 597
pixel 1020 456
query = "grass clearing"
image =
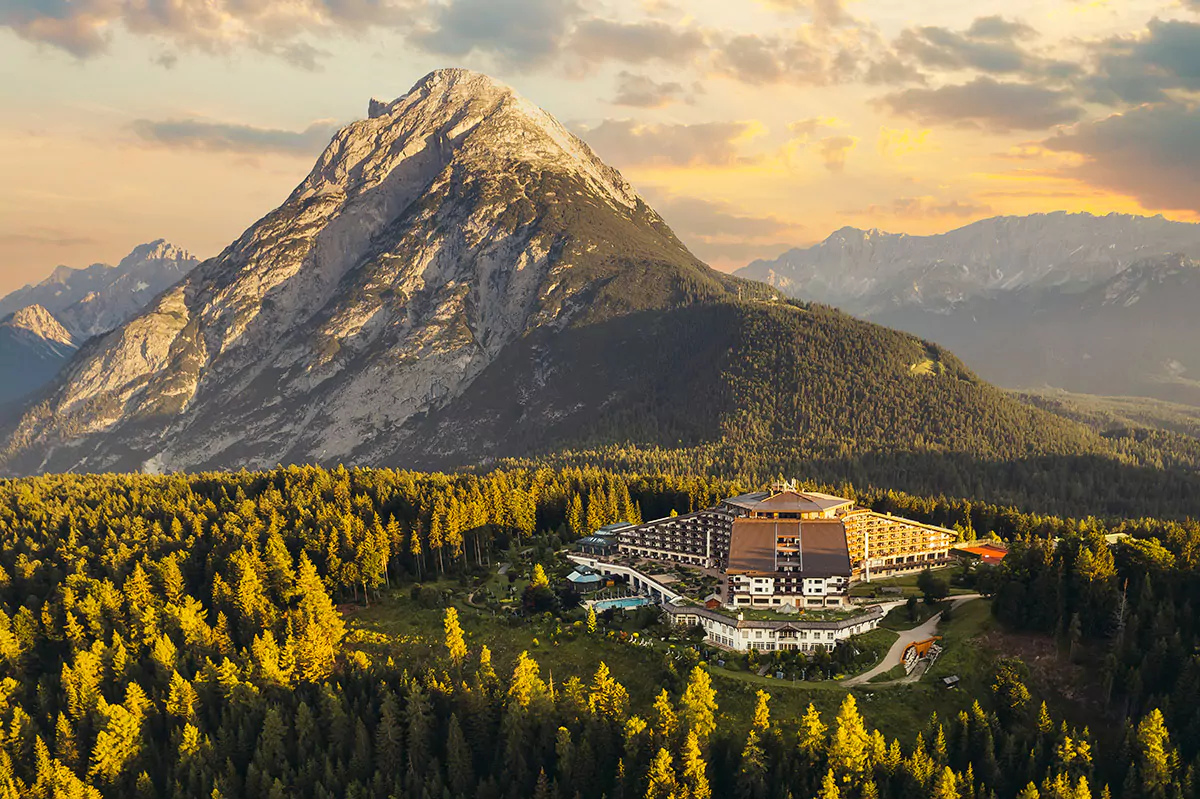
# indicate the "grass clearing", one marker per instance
pixel 898 617
pixel 907 583
pixel 891 675
pixel 963 652
pixel 401 628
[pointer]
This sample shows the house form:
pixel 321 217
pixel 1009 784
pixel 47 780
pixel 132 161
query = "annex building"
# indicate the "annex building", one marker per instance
pixel 787 547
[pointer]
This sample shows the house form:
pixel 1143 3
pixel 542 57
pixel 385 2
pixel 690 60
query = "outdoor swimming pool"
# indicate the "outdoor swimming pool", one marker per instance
pixel 626 602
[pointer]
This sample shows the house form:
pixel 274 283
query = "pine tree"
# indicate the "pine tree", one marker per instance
pixel 812 733
pixel 608 698
pixel 695 776
pixel 762 712
pixel 527 684
pixel 666 720
pixel 575 517
pixel 538 578
pixel 459 769
pixel 698 704
pixel 455 642
pixel 849 749
pixel 316 629
pixel 752 771
pixel 829 787
pixel 1154 754
pixel 485 674
pixel 591 620
pixel 660 780
pixel 946 786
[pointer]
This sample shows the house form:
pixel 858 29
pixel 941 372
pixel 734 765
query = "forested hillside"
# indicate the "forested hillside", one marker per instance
pixel 744 372
pixel 180 636
pixel 753 390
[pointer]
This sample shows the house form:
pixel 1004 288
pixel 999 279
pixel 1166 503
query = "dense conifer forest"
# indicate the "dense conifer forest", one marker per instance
pixel 182 636
pixel 753 390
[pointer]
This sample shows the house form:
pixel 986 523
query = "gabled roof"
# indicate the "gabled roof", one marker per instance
pixel 788 501
pixel 821 549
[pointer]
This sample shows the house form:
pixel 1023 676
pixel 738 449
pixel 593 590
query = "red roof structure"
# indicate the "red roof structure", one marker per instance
pixel 987 552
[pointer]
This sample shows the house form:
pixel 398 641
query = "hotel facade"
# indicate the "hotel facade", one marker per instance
pixel 790 549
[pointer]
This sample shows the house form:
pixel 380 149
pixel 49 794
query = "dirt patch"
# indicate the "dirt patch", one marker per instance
pixel 1072 689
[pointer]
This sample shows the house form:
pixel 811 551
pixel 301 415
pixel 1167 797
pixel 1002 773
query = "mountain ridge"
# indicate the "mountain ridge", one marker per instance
pixel 458 280
pixel 425 239
pixel 33 346
pixel 869 271
pixel 95 299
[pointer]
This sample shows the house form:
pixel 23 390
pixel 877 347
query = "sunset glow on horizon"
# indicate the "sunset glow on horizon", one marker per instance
pixel 751 126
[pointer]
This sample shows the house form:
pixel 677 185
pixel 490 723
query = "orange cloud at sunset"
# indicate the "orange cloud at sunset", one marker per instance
pixel 757 125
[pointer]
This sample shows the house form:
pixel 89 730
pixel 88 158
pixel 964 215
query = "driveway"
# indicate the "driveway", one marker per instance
pixel 921 633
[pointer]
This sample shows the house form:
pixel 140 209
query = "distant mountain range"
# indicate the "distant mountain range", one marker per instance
pixel 460 278
pixel 1085 303
pixel 41 326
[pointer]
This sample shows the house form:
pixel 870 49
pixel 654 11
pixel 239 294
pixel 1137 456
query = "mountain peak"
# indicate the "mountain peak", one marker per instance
pixel 429 239
pixel 37 321
pixel 157 250
pixel 455 115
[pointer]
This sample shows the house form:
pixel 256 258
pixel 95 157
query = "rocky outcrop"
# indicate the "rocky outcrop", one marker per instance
pixel 425 240
pixel 33 347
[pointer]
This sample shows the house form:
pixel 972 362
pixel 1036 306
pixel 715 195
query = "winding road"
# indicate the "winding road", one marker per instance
pixel 921 633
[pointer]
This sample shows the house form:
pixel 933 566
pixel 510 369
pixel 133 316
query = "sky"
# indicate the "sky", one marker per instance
pixel 752 126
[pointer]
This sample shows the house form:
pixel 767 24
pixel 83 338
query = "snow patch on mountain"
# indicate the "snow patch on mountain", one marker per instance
pixel 870 272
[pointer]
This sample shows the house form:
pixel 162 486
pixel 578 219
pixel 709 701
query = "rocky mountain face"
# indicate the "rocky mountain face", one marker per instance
pixel 1131 335
pixel 99 298
pixel 140 277
pixel 460 278
pixel 1049 299
pixel 71 306
pixel 868 271
pixel 33 347
pixel 426 239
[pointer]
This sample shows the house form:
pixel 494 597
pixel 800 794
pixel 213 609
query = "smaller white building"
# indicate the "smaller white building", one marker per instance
pixel 742 635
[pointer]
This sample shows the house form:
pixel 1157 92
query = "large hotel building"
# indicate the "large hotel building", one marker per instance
pixel 789 547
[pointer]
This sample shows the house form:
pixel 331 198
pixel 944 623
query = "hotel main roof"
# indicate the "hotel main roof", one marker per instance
pixel 788 502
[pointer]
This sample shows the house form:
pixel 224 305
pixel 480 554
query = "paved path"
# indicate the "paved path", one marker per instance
pixel 921 633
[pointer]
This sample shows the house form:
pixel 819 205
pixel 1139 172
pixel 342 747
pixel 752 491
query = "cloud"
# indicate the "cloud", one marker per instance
pixel 895 143
pixel 802 130
pixel 46 237
pixel 1148 153
pixel 597 40
pixel 718 231
pixel 84 27
pixel 228 137
pixel 628 143
pixel 824 12
pixel 716 219
pixel 833 151
pixel 809 56
pixel 923 208
pixel 1144 67
pixel 645 92
pixel 1000 29
pixel 989 104
pixel 520 33
pixel 891 70
pixel 990 46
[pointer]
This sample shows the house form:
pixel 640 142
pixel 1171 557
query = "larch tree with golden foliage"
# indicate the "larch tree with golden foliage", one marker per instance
pixel 455 643
pixel 315 627
pixel 699 704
